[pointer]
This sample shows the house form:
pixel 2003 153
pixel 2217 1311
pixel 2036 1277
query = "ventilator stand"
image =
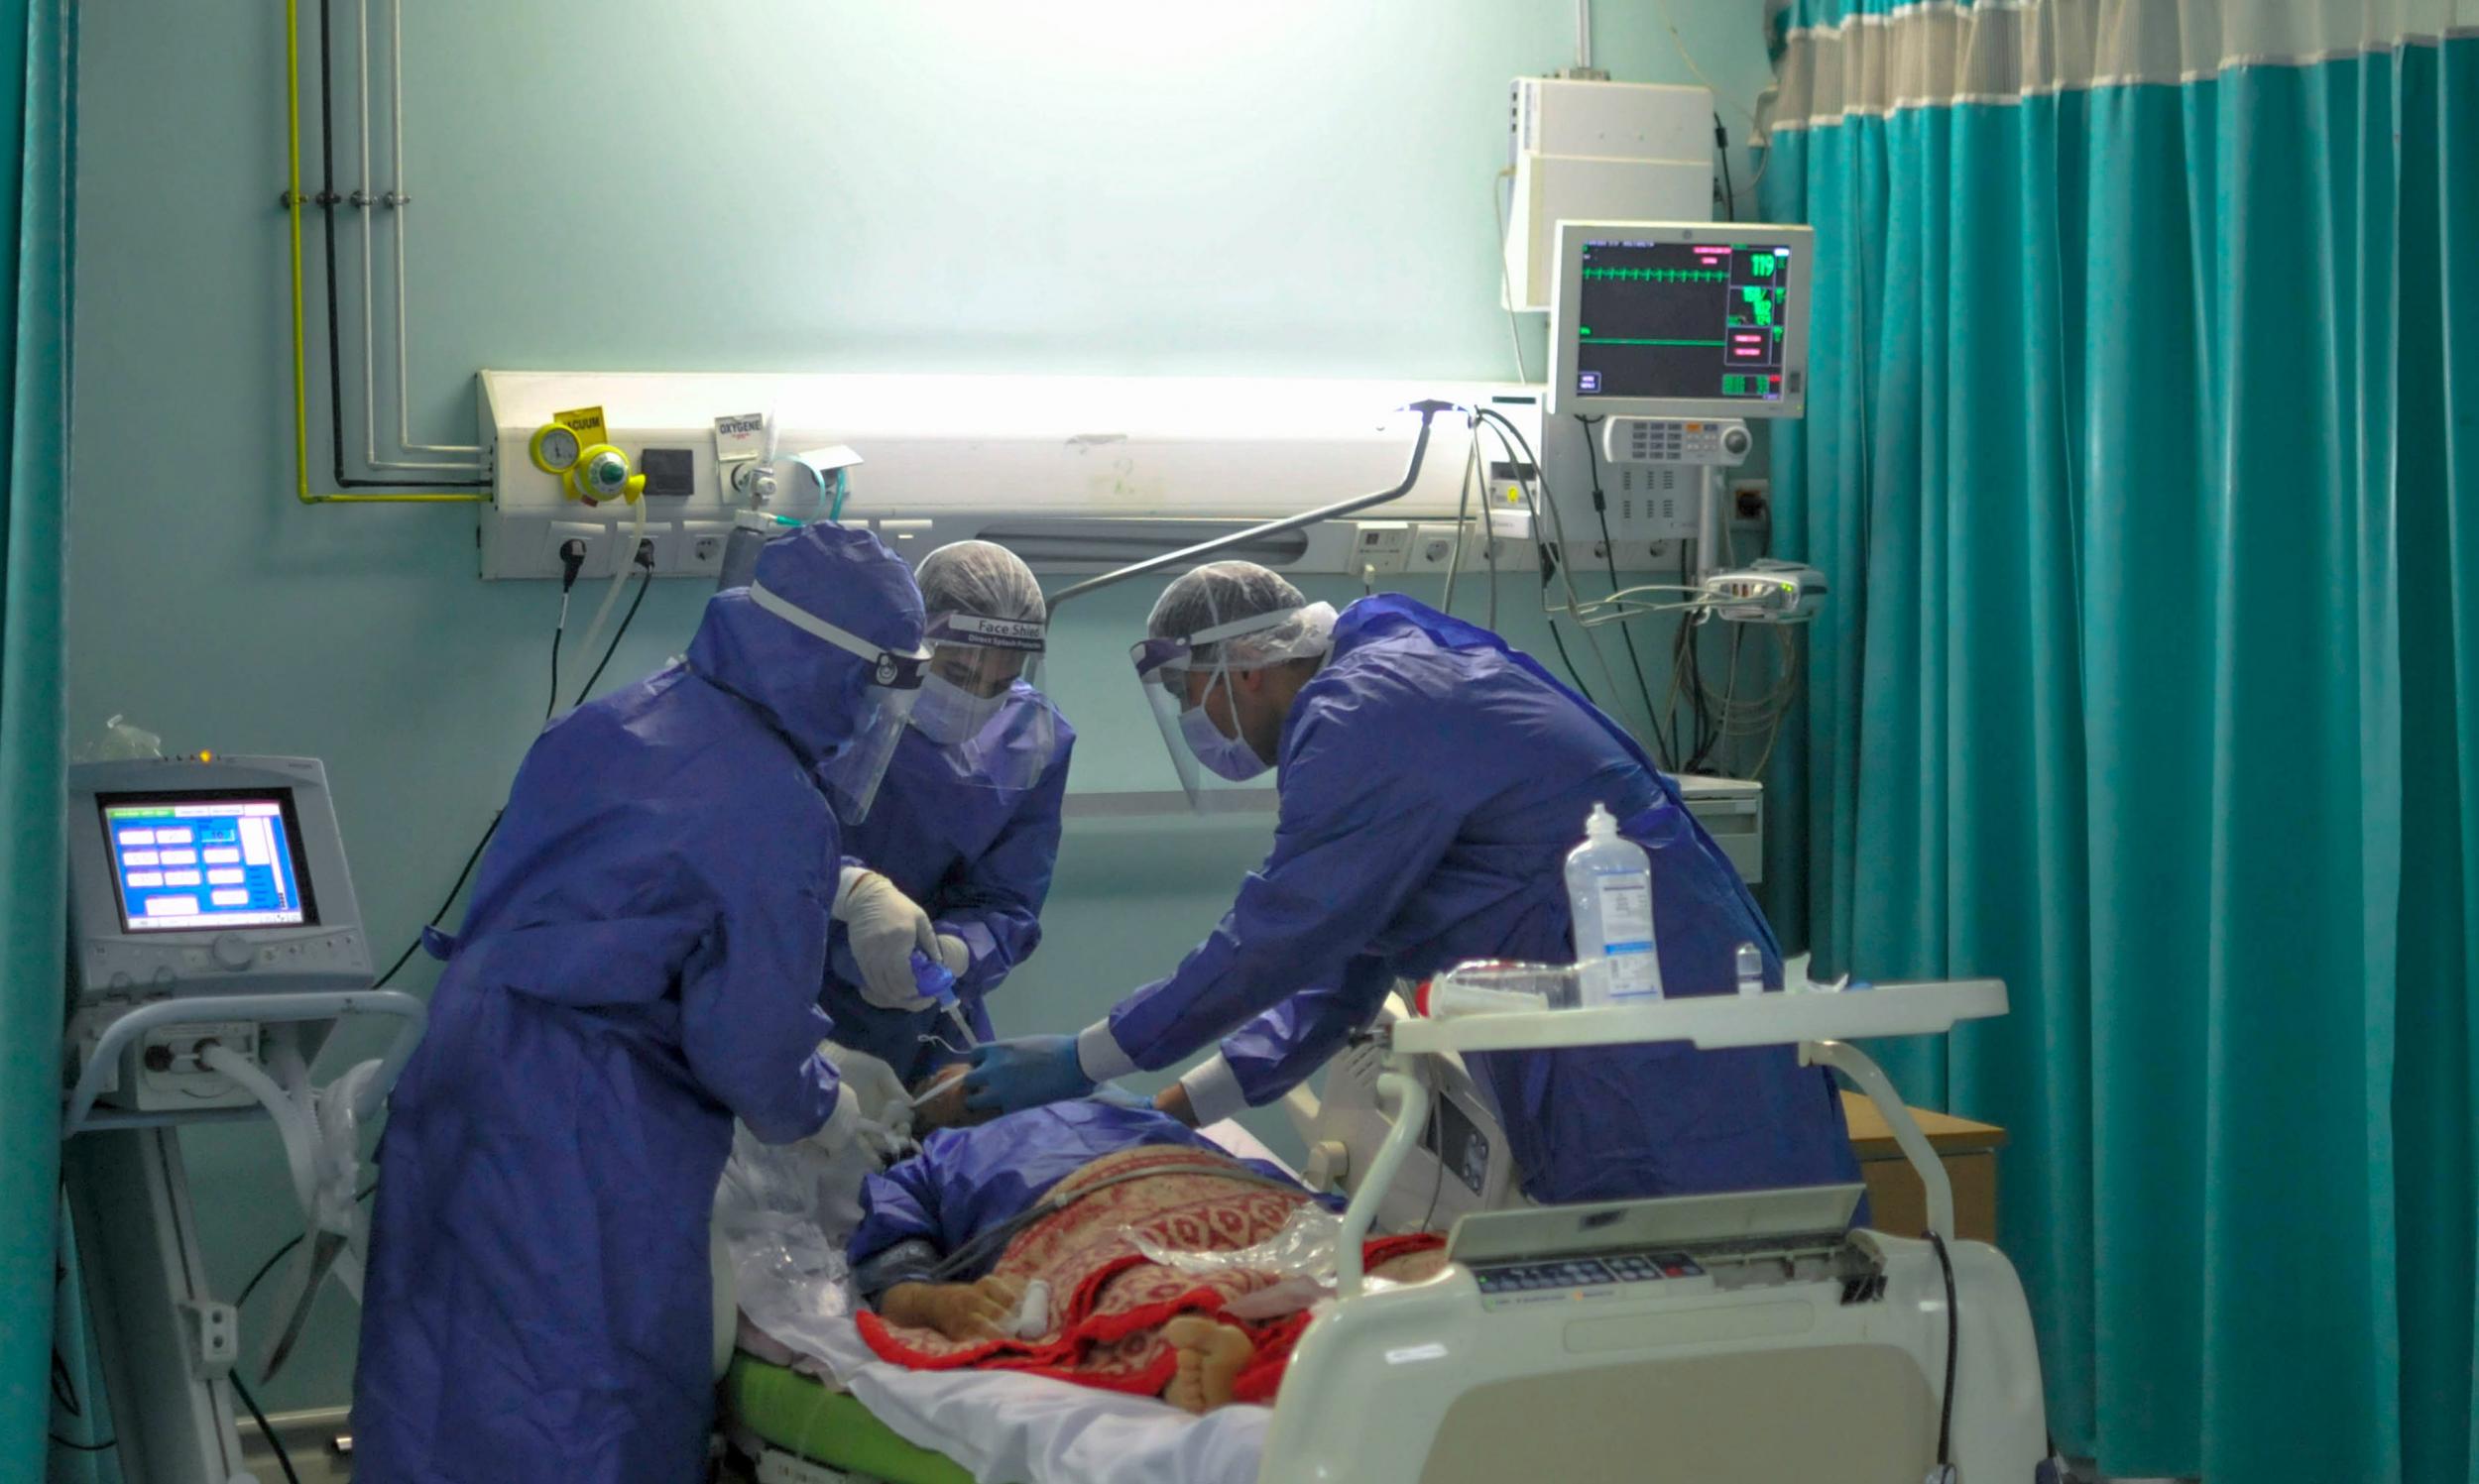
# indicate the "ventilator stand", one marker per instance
pixel 165 1345
pixel 1819 1023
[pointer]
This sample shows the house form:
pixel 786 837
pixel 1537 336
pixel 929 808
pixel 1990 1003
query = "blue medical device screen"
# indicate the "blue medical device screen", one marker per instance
pixel 208 859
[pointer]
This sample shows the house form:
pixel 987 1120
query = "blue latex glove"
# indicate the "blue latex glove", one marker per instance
pixel 1120 1097
pixel 1028 1072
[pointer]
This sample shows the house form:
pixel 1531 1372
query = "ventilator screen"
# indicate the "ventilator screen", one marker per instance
pixel 202 860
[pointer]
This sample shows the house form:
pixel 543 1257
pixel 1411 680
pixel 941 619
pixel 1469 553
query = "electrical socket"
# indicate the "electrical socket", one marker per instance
pixel 1751 502
pixel 1381 546
pixel 701 546
pixel 665 538
pixel 1433 546
pixel 599 539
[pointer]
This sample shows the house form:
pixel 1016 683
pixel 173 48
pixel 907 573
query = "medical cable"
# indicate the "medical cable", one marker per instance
pixel 413 947
pixel 1730 696
pixel 1685 658
pixel 1953 1344
pixel 571 562
pixel 1666 747
pixel 1489 547
pixel 1537 497
pixel 617 634
pixel 1505 276
pixel 646 564
pixel 1549 561
pixel 265 1429
pixel 620 574
pixel 1722 143
pixel 558 632
pixel 277 1255
pixel 972 1252
pixel 1462 505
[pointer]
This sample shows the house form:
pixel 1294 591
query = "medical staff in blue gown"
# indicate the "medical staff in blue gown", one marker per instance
pixel 955 859
pixel 638 968
pixel 962 1193
pixel 1432 781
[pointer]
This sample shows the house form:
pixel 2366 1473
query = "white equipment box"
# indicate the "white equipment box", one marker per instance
pixel 1600 152
pixel 1733 812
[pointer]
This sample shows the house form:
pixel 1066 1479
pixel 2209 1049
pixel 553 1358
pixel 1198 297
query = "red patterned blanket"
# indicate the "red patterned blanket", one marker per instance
pixel 1108 1302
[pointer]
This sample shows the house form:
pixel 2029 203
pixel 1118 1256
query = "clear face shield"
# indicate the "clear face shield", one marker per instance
pixel 1186 694
pixel 980 704
pixel 853 775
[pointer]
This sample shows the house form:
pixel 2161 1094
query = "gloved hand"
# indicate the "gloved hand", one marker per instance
pixel 955 954
pixel 875 1085
pixel 885 1141
pixel 847 1152
pixel 1026 1072
pixel 885 928
pixel 1120 1097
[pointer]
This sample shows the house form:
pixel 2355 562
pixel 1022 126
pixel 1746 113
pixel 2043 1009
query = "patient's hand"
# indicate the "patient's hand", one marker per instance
pixel 958 1311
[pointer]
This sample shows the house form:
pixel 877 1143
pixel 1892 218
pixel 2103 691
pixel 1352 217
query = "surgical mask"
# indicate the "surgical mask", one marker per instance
pixel 1229 758
pixel 949 714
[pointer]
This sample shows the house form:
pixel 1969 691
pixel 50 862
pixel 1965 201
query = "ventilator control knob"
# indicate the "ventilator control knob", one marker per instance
pixel 232 950
pixel 1734 442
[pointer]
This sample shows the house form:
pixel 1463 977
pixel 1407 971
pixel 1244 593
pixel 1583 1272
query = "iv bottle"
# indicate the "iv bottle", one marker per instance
pixel 1609 895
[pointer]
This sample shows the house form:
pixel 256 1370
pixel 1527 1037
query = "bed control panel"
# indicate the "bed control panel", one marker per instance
pixel 1609 1274
pixel 1633 1249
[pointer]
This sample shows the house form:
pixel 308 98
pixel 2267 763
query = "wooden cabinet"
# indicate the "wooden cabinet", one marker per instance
pixel 1898 1204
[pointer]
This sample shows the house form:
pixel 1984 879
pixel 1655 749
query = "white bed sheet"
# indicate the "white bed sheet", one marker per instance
pixel 1031 1430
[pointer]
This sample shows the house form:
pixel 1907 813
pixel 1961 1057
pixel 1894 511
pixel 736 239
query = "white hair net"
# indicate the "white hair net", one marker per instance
pixel 981 576
pixel 1227 591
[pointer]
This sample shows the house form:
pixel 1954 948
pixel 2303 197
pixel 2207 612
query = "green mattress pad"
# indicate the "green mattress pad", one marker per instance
pixel 801 1417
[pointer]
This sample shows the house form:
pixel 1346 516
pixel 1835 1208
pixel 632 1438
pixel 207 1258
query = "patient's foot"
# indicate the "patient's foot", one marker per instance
pixel 1211 1354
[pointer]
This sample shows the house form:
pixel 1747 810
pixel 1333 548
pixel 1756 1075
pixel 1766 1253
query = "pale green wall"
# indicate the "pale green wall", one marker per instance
pixel 1289 186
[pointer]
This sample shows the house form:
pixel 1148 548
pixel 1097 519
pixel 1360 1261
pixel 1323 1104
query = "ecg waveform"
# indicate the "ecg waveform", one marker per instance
pixel 1660 275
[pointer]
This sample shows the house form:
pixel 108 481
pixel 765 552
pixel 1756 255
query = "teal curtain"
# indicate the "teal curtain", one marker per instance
pixel 38 74
pixel 2143 449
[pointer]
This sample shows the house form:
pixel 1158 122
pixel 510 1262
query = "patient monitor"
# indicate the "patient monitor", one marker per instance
pixel 1666 337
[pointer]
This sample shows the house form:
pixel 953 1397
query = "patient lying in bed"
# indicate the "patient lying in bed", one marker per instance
pixel 1041 1204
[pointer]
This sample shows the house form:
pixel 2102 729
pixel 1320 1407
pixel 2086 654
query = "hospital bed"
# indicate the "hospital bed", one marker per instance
pixel 869 1419
pixel 1725 1340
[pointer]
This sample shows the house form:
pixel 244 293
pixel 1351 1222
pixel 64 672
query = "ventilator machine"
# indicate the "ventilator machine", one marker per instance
pixel 215 944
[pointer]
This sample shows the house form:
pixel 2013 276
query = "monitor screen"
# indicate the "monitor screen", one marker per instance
pixel 1701 321
pixel 203 859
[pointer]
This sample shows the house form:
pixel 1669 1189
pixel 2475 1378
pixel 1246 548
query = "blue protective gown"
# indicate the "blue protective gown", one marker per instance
pixel 967 1181
pixel 978 858
pixel 1433 780
pixel 638 968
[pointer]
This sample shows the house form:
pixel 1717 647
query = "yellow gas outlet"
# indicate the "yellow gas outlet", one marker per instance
pixel 602 473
